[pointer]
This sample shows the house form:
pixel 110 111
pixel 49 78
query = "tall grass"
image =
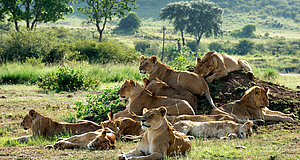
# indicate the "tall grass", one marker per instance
pixel 27 73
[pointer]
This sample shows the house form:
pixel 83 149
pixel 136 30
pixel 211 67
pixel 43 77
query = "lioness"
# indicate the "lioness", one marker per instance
pixel 201 118
pixel 220 129
pixel 123 126
pixel 253 105
pixel 220 64
pixel 97 140
pixel 42 125
pixel 176 79
pixel 160 139
pixel 160 88
pixel 140 98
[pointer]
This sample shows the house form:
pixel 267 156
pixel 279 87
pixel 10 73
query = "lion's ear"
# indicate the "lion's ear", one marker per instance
pixel 145 110
pixel 109 115
pixel 153 59
pixel 102 125
pixel 162 111
pixel 249 124
pixel 142 57
pixel 198 60
pixel 118 123
pixel 267 90
pixel 103 134
pixel 132 82
pixel 32 113
pixel 146 81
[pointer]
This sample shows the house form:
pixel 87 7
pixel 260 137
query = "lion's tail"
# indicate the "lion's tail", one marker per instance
pixel 207 94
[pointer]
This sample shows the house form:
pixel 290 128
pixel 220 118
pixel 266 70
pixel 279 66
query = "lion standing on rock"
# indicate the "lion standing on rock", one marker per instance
pixel 187 80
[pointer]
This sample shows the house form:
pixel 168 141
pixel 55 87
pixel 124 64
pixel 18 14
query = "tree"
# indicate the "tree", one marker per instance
pixel 34 11
pixel 99 12
pixel 130 23
pixel 204 18
pixel 244 47
pixel 177 13
pixel 248 31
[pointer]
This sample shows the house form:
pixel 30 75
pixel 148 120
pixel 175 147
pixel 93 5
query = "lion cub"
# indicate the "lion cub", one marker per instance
pixel 139 98
pixel 220 129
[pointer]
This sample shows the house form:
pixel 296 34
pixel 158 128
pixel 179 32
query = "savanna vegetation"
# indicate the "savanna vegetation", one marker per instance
pixel 62 70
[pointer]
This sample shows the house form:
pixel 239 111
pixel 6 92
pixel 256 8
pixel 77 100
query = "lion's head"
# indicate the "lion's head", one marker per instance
pixel 28 119
pixel 111 124
pixel 153 118
pixel 204 66
pixel 146 65
pixel 127 89
pixel 100 142
pixel 245 130
pixel 258 95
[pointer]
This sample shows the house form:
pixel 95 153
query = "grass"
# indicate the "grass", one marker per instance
pixel 275 141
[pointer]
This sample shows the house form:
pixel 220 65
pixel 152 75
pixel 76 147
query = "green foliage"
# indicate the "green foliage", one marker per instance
pixel 33 12
pixel 105 52
pixel 215 46
pixel 26 44
pixel 130 24
pixel 182 60
pixel 67 79
pixel 244 47
pixel 141 46
pixel 100 12
pixel 246 32
pixel 98 105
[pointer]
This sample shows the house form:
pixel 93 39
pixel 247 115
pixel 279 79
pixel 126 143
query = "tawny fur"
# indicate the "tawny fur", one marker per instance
pixel 220 64
pixel 140 98
pixel 220 129
pixel 176 79
pixel 253 105
pixel 160 88
pixel 201 118
pixel 159 140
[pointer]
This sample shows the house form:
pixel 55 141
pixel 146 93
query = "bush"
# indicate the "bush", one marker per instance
pixel 67 79
pixel 244 47
pixel 105 52
pixel 141 46
pixel 98 105
pixel 215 46
pixel 26 44
pixel 193 45
pixel 246 32
pixel 129 24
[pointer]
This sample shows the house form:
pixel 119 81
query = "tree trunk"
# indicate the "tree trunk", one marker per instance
pixel 99 31
pixel 163 48
pixel 16 24
pixel 27 14
pixel 183 42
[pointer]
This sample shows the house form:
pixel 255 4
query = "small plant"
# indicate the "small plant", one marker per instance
pixel 99 104
pixel 67 79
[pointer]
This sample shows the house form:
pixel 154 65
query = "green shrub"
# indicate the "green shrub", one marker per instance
pixel 193 45
pixel 67 79
pixel 246 32
pixel 244 47
pixel 129 24
pixel 141 46
pixel 105 52
pixel 215 46
pixel 26 44
pixel 98 105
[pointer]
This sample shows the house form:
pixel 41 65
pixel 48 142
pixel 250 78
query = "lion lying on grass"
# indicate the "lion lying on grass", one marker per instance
pixel 176 79
pixel 139 98
pixel 253 106
pixel 160 139
pixel 97 140
pixel 220 129
pixel 123 126
pixel 201 118
pixel 45 126
pixel 160 88
pixel 220 64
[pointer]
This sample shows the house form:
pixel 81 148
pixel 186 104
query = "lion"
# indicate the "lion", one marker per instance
pixel 140 98
pixel 97 140
pixel 175 79
pixel 253 105
pixel 160 88
pixel 160 139
pixel 123 126
pixel 220 129
pixel 45 126
pixel 201 118
pixel 220 64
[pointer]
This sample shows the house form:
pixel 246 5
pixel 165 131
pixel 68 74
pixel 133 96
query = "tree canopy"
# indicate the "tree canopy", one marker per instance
pixel 99 12
pixel 34 11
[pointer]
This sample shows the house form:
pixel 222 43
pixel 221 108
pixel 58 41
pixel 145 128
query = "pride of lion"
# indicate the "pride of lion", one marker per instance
pixel 163 112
